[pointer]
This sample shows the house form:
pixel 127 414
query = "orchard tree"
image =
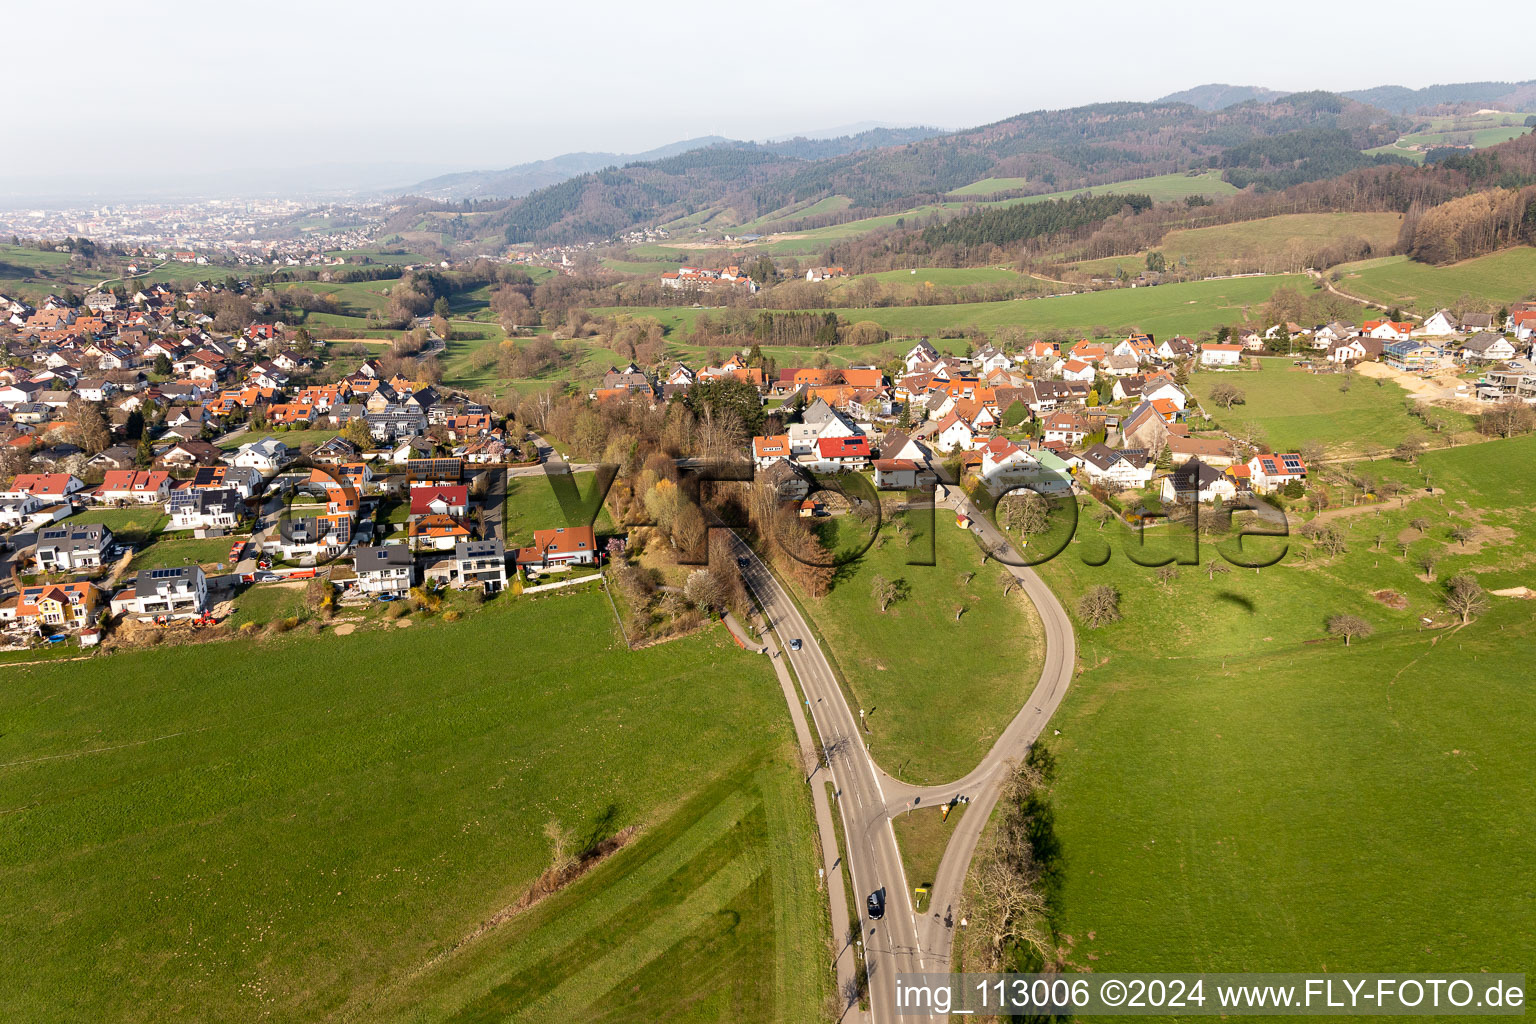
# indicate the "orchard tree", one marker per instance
pixel 1349 627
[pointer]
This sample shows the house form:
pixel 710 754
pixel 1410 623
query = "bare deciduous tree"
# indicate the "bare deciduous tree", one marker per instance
pixel 1349 627
pixel 1099 606
pixel 1465 596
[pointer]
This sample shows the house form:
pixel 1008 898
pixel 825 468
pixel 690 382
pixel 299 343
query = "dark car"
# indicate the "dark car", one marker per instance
pixel 742 562
pixel 876 904
pixel 794 644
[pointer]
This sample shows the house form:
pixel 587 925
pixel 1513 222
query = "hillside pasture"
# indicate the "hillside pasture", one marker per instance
pixel 1494 280
pixel 329 839
pixel 1187 308
pixel 1217 733
pixel 1274 244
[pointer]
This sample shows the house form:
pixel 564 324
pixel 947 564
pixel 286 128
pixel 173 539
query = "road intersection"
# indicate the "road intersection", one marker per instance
pixel 869 797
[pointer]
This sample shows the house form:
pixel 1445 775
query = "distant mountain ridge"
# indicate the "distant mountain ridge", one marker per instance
pixel 1400 100
pixel 1052 149
pixel 1219 96
pixel 514 182
pixel 1395 99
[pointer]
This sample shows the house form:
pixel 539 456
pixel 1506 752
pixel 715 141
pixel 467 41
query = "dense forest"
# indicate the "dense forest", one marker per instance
pixel 1281 161
pixel 1023 222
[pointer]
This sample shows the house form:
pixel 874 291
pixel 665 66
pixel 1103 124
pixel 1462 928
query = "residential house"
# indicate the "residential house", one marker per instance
pixel 244 481
pixel 134 486
pixel 57 605
pixel 1359 348
pixel 306 535
pixel 1221 355
pixel 1067 428
pixel 953 434
pixel 1147 425
pixel 1195 481
pixel 171 593
pixel 1412 356
pixel 1487 347
pixel 766 450
pixel 1125 469
pixel 1440 323
pixel 1388 330
pixel 48 487
pixel 205 510
pixel 190 453
pixel 839 454
pixel 920 353
pixel 1076 369
pixel 440 500
pixel 266 456
pixel 818 421
pixel 896 474
pixel 388 569
pixel 561 546
pixel 1270 472
pixel 73 546
pixel 1211 451
pixel 481 563
pixel 16 511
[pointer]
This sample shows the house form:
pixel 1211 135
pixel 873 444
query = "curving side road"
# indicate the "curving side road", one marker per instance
pixel 984 783
pixel 869 797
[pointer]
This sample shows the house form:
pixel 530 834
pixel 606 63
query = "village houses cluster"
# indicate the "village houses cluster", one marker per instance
pixel 1099 417
pixel 190 432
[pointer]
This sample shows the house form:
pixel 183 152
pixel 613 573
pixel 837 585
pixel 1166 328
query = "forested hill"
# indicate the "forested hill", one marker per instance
pixel 1051 149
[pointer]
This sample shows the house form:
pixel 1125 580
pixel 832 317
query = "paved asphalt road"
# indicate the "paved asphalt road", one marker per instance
pixel 869 797
pixel 890 944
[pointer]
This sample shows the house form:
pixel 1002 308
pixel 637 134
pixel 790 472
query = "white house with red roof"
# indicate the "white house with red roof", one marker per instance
pixel 142 486
pixel 838 454
pixel 1270 472
pixel 1212 354
pixel 561 546
pixel 1076 369
pixel 768 449
pixel 440 500
pixel 44 486
pixel 954 433
pixel 1387 330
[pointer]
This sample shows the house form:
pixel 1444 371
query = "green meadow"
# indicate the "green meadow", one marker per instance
pixel 938 688
pixel 1498 278
pixel 1187 308
pixel 1291 407
pixel 342 827
pixel 1240 791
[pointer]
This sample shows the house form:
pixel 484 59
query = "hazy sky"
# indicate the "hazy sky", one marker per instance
pixel 173 92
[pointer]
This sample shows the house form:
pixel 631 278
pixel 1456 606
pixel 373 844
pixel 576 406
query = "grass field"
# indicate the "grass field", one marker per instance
pixel 922 834
pixel 1498 278
pixel 294 439
pixel 327 838
pixel 169 552
pixel 1276 243
pixel 1476 130
pixel 938 691
pixel 532 505
pixel 133 525
pixel 988 186
pixel 1292 407
pixel 1239 793
pixel 1167 309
